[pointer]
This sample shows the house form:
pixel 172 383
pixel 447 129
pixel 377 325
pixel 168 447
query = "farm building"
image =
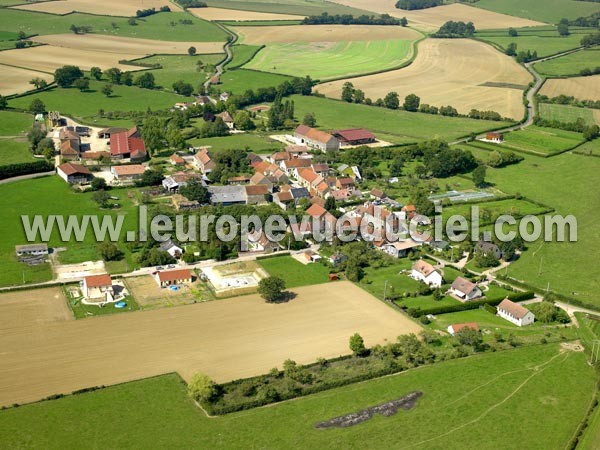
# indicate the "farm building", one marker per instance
pixel 128 173
pixel 74 173
pixel 455 328
pixel 317 139
pixel 494 137
pixel 256 194
pixel 400 249
pixel 345 183
pixel 98 287
pixel 227 119
pixel 203 161
pixel 177 160
pixel 173 277
pixel 105 133
pixel 69 150
pixel 425 272
pixel 283 199
pixel 31 250
pixel 128 145
pixel 227 195
pixel 355 136
pixel 515 313
pixel 464 290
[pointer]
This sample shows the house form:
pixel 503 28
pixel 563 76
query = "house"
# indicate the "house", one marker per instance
pixel 292 166
pixel 171 248
pixel 256 194
pixel 425 272
pixel 310 256
pixel 227 195
pixel 178 180
pixel 341 195
pixel 181 203
pixel 400 249
pixel 31 250
pixel 203 100
pixel 224 96
pixel 345 183
pixel 69 150
pixel 497 138
pixel 515 313
pixel 258 179
pixel 438 246
pixel 74 173
pixel 337 258
pixel 298 151
pixel 355 136
pixel 283 199
pixel 259 242
pixel 227 119
pixel 464 290
pixel 377 194
pixel 98 287
pixel 488 248
pixel 455 328
pixel 203 161
pixel 177 160
pixel 317 139
pixel 128 145
pixel 242 179
pixel 173 277
pixel 321 168
pixel 128 173
pixel 278 157
pixel 324 219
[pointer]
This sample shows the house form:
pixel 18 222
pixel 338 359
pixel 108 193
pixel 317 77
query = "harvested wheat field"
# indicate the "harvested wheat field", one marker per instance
pixel 125 8
pixel 32 309
pixel 16 80
pixel 126 46
pixel 582 88
pixel 227 339
pixel 221 14
pixel 431 19
pixel 322 33
pixel 46 58
pixel 451 72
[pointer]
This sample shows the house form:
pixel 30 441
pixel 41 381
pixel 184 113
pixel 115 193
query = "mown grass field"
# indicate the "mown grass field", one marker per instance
pixel 14 123
pixel 542 141
pixel 242 54
pixel 12 152
pixel 570 65
pixel 394 126
pixel 299 7
pixel 532 387
pixel 180 67
pixel 255 142
pixel 239 81
pixel 295 273
pixel 163 26
pixel 568 114
pixel 544 40
pixel 489 211
pixel 590 148
pixel 551 12
pixel 327 60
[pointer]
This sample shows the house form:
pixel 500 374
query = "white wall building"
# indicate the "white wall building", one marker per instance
pixel 515 313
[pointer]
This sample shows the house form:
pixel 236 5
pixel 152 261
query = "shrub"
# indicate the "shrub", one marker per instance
pixel 202 388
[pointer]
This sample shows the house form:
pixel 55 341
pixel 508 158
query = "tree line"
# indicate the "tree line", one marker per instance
pixel 452 29
pixel 349 19
pixel 418 4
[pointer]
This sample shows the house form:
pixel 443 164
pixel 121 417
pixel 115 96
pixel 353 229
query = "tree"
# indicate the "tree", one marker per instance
pixel 511 50
pixel 330 204
pixel 127 78
pixel 192 51
pixel 152 177
pixel 107 90
pixel 114 75
pixel 38 82
pixel 391 100
pixel 479 176
pixel 359 96
pixel 96 72
pixel 183 88
pixel 512 32
pixel 195 191
pixel 348 92
pixel 353 270
pixel 110 252
pixel 563 27
pixel 357 345
pixel 469 336
pixel 101 197
pixel 591 133
pixel 271 289
pixel 145 80
pixel 65 76
pixel 403 22
pixel 83 84
pixel 174 137
pixel 98 184
pixel 35 135
pixel 309 119
pixel 243 121
pixel 202 388
pixel 411 103
pixel 37 106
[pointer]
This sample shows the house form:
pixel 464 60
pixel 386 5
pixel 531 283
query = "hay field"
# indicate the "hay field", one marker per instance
pixel 105 7
pixel 15 80
pixel 322 33
pixel 582 88
pixel 432 19
pixel 227 339
pixel 125 45
pixel 216 14
pixel 33 309
pixel 450 72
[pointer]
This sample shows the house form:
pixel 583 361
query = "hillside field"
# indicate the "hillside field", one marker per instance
pixel 239 81
pixel 570 65
pixel 568 114
pixel 542 141
pixel 533 387
pixel 180 67
pixel 551 12
pixel 582 88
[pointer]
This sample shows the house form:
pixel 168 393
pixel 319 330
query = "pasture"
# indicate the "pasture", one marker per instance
pixel 541 141
pixel 431 19
pixel 323 60
pixel 568 114
pixel 489 211
pixel 16 80
pixel 242 54
pixel 582 88
pixel 571 64
pixel 396 126
pixel 181 67
pixel 227 339
pixel 235 15
pixel 295 273
pixel 551 12
pixel 105 8
pixel 14 123
pixel 256 142
pixel 13 152
pixel 450 72
pixel 590 148
pixel 534 387
pixel 288 34
pixel 239 81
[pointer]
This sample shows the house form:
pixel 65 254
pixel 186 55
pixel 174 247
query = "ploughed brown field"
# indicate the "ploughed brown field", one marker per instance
pixel 582 88
pixel 238 15
pixel 104 7
pixel 463 73
pixel 431 19
pixel 43 353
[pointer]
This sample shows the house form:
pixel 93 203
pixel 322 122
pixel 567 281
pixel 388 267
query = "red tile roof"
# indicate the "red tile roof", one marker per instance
pixel 93 281
pixel 314 134
pixel 354 134
pixel 316 210
pixel 257 189
pixel 514 309
pixel 72 169
pixel 175 275
pixel 459 326
pixel 126 142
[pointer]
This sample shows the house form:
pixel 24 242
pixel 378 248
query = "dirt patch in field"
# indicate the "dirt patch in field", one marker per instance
pixel 149 295
pixel 450 72
pixel 432 19
pixel 226 339
pixel 322 33
pixel 238 15
pixel 126 46
pixel 582 88
pixel 31 309
pixel 105 7
pixel 16 80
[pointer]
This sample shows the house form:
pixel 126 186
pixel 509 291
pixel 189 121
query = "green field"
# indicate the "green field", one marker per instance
pixel 489 211
pixel 541 141
pixel 568 114
pixel 544 40
pixel 180 67
pixel 242 54
pixel 14 123
pixel 12 152
pixel 570 65
pixel 255 142
pixel 296 7
pixel 85 105
pixel 533 388
pixel 295 273
pixel 551 11
pixel 163 26
pixel 590 148
pixel 395 126
pixel 239 81
pixel 327 60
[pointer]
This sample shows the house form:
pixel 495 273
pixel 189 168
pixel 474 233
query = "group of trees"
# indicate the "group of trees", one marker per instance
pixel 349 19
pixel 570 100
pixel 80 29
pixel 302 86
pixel 590 40
pixel 590 132
pixel 281 114
pixel 442 161
pixel 228 164
pixel 418 4
pixel 563 27
pixel 452 29
pixel 39 143
pixel 183 88
pixel 499 159
pixel 194 190
pixel 484 115
pixel 191 4
pixel 150 11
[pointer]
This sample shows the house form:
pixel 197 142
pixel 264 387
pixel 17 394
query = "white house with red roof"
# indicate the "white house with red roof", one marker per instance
pixel 515 313
pixel 98 287
pixel 173 277
pixel 425 272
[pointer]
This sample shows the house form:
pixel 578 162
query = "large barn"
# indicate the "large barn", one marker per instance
pixel 355 136
pixel 317 139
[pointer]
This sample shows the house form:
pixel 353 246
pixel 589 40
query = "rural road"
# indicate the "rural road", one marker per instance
pixel 229 53
pixel 26 177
